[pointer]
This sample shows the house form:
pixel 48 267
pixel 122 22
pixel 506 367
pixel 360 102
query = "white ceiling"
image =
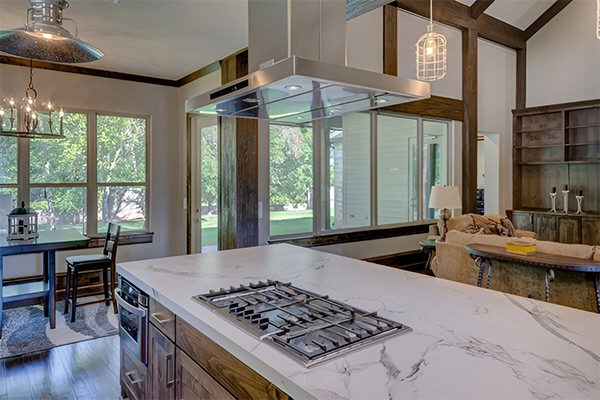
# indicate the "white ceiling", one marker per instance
pixel 170 39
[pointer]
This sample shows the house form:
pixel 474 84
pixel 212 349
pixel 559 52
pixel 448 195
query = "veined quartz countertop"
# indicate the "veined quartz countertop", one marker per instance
pixel 466 342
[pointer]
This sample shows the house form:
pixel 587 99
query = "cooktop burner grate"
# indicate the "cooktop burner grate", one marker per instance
pixel 310 327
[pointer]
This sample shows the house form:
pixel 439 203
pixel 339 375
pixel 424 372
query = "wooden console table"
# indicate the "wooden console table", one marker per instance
pixel 484 254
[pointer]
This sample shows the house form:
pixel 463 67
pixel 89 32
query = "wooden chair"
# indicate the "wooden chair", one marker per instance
pixel 92 263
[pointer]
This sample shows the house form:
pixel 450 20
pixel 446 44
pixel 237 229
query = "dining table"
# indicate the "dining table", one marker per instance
pixel 48 243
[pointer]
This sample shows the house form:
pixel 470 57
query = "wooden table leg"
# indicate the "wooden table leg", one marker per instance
pixel 52 287
pixel 548 277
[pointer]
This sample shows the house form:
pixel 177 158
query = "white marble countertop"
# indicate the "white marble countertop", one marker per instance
pixel 466 342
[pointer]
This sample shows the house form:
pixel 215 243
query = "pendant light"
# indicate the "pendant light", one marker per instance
pixel 25 119
pixel 431 53
pixel 44 38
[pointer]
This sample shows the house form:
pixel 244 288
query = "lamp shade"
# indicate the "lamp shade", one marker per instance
pixel 445 197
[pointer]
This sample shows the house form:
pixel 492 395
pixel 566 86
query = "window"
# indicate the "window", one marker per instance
pixel 291 178
pixel 96 175
pixel 374 169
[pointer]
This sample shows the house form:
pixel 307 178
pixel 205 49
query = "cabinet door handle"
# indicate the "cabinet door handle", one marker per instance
pixel 162 321
pixel 169 361
pixel 133 381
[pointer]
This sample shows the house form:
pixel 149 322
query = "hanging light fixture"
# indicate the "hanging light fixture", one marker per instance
pixel 431 53
pixel 22 118
pixel 44 38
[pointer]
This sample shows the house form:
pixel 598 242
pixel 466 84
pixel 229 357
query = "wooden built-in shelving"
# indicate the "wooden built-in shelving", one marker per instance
pixel 553 146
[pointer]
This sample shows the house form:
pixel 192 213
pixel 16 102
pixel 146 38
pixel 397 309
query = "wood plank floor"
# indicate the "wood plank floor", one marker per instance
pixel 83 370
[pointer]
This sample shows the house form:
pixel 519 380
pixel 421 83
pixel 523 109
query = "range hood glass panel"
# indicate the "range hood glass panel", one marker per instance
pixel 300 87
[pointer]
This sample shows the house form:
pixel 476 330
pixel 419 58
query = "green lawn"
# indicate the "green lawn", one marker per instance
pixel 282 223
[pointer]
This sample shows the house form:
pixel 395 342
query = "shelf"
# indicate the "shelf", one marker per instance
pixel 22 291
pixel 541 130
pixel 539 147
pixel 583 144
pixel 584 126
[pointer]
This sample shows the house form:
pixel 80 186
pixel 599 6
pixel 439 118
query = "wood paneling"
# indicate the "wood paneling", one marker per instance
pixel 230 372
pixel 479 7
pixel 521 81
pixel 238 169
pixel 470 128
pixel 390 40
pixel 210 68
pixel 194 383
pixel 543 19
pixel 569 230
pixel 435 106
pixel 590 231
pixel 546 227
pixel 457 15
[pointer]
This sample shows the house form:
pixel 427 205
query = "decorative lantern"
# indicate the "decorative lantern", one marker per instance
pixel 431 53
pixel 22 224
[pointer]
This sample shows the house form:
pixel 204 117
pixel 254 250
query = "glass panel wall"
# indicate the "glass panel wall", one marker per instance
pixel 291 180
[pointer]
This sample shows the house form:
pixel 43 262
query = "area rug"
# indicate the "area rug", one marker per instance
pixel 26 330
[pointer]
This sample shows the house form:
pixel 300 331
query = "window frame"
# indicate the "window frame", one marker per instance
pixel 91 185
pixel 319 163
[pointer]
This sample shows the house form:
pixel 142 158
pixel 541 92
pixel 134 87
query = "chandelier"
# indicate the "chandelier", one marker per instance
pixel 44 38
pixel 22 118
pixel 431 53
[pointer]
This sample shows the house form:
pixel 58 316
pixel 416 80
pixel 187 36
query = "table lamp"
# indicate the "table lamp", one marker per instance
pixel 444 198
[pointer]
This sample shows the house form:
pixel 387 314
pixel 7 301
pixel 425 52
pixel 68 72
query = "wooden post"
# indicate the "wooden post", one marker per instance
pixel 469 134
pixel 238 170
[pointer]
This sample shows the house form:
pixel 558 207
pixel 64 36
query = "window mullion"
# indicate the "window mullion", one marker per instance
pixel 374 198
pixel 420 151
pixel 92 175
pixel 318 161
pixel 23 171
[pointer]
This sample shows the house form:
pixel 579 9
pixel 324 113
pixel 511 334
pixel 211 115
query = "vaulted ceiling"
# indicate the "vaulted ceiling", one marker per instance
pixel 170 39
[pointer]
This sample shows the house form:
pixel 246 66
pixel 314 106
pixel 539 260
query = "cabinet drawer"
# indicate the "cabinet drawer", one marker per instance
pixel 162 318
pixel 239 379
pixel 194 383
pixel 134 375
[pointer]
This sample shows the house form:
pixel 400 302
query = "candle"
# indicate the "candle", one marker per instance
pixel 566 187
pixel 580 192
pixel 553 189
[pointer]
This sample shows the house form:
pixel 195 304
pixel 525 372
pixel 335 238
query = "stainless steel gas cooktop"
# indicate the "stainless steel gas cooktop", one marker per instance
pixel 307 326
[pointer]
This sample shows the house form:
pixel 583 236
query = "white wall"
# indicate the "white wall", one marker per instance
pixel 496 86
pixel 167 174
pixel 563 58
pixel 364 41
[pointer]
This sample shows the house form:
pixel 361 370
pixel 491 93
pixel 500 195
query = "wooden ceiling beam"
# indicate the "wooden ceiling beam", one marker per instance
pixel 546 17
pixel 479 7
pixel 457 15
pixel 354 8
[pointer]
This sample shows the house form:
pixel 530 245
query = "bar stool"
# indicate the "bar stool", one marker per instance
pixel 92 263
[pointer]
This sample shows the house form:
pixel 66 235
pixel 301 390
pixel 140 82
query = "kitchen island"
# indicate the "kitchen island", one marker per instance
pixel 465 342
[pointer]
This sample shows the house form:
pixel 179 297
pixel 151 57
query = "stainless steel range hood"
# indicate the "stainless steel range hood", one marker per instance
pixel 310 82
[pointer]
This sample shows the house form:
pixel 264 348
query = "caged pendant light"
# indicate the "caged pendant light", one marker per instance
pixel 431 53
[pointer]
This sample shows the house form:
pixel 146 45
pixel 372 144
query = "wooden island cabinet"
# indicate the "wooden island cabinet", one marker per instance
pixel 185 364
pixel 557 146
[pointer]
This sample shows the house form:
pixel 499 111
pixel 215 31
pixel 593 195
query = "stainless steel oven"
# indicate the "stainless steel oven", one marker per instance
pixel 133 318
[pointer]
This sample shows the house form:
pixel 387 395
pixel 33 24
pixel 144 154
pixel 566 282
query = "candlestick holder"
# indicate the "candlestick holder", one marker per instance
pixel 553 202
pixel 579 200
pixel 566 201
